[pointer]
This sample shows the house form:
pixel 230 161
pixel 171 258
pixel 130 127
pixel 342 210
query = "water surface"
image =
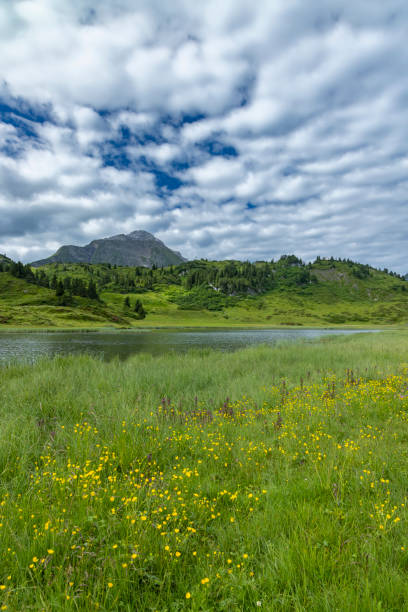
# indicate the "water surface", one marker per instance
pixel 109 344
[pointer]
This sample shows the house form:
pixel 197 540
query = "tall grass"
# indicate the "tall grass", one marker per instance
pixel 269 478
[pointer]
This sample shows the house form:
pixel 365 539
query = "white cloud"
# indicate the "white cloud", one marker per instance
pixel 137 122
pixel 216 173
pixel 161 154
pixel 304 104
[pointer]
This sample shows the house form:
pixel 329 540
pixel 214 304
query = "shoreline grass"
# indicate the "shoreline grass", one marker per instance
pixel 138 485
pixel 152 327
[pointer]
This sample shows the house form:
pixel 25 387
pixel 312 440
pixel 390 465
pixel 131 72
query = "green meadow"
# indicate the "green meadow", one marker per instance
pixel 269 478
pixel 327 293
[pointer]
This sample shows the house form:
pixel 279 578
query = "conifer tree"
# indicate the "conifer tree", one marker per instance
pixel 59 289
pixel 139 310
pixel 53 282
pixel 92 293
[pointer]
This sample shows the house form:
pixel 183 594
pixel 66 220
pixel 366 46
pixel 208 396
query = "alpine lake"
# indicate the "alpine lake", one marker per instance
pixel 122 344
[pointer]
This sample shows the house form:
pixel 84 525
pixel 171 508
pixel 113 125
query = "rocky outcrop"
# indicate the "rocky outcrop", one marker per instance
pixel 138 248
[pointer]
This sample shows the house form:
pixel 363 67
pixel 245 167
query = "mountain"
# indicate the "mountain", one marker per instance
pixel 138 248
pixel 4 259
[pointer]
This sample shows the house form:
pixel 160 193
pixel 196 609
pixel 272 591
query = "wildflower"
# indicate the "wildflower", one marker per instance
pixel 50 551
pixel 205 580
pixel 188 595
pixel 110 585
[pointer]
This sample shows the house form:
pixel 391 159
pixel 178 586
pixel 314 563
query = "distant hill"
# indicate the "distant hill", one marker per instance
pixel 288 292
pixel 4 259
pixel 138 248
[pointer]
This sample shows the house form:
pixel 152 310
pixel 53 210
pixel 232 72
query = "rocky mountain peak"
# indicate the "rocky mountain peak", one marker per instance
pixel 139 248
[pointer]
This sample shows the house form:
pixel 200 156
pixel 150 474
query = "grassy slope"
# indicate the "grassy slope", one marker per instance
pixel 294 495
pixel 24 304
pixel 338 299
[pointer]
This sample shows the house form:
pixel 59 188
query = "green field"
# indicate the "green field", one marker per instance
pixel 270 478
pixel 326 293
pixel 24 305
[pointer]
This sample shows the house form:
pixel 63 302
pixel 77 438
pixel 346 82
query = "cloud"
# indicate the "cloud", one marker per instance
pixel 231 129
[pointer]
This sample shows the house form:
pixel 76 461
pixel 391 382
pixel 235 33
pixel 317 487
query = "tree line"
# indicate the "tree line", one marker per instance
pixel 209 284
pixel 66 286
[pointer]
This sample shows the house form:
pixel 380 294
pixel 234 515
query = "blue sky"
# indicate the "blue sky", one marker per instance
pixel 231 129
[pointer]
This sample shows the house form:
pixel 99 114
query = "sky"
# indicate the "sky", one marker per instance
pixel 232 129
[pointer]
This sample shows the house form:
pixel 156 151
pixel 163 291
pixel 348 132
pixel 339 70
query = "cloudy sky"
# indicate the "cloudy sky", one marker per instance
pixel 227 128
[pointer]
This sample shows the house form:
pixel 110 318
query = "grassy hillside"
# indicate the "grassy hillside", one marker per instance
pixel 25 304
pixel 140 486
pixel 203 293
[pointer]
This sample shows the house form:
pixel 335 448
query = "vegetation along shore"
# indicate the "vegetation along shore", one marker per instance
pixel 269 477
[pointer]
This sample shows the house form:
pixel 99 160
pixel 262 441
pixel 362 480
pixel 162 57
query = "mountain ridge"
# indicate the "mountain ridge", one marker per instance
pixel 139 248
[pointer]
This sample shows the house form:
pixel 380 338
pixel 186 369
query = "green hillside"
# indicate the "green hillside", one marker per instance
pixel 203 293
pixel 24 304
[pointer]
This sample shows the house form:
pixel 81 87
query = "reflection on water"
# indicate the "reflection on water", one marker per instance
pixel 123 344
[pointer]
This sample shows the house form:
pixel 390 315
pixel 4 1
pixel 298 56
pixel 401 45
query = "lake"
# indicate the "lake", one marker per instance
pixel 122 344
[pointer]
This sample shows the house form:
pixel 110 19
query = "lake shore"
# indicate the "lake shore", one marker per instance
pixel 123 344
pixel 237 326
